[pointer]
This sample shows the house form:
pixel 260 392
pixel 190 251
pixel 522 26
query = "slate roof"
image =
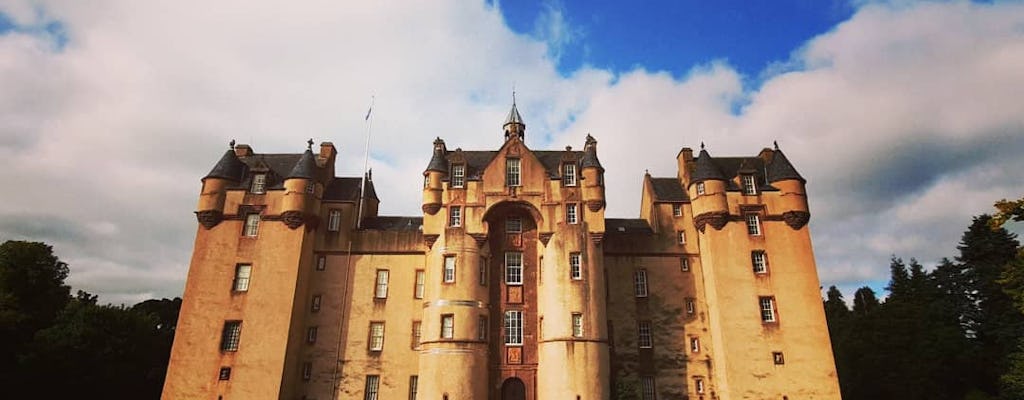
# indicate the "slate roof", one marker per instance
pixel 590 155
pixel 706 169
pixel 669 190
pixel 513 116
pixel 781 169
pixel 305 167
pixel 623 226
pixel 478 160
pixel 393 223
pixel 229 167
pixel 347 189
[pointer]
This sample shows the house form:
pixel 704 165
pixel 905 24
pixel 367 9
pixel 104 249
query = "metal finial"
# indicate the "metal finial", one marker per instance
pixel 309 144
pixel 231 144
pixel 513 93
pixel 702 145
pixel 776 143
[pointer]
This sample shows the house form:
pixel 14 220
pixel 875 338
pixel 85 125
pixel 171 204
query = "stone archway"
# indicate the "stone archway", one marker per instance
pixel 513 389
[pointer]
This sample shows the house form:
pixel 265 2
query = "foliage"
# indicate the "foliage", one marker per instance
pixel 1007 210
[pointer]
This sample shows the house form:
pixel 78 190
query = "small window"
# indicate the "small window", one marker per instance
pixel 684 264
pixel 242 274
pixel 571 215
pixel 767 309
pixel 225 374
pixel 753 225
pixel 513 225
pixel 513 328
pixel 417 333
pixel 677 210
pixel 307 370
pixel 421 277
pixel 449 269
pixel 381 291
pixel 569 174
pixel 644 334
pixel 748 185
pixel 372 387
pixel 315 304
pixel 414 384
pixel 321 263
pixel 259 184
pixel 454 216
pixel 512 171
pixel 698 383
pixel 700 188
pixel 231 335
pixel 252 225
pixel 376 336
pixel 447 326
pixel 647 388
pixel 695 345
pixel 778 358
pixel 311 333
pixel 334 220
pixel 681 237
pixel 458 175
pixel 513 268
pixel 481 328
pixel 310 187
pixel 577 325
pixel 759 261
pixel 640 283
pixel 426 181
pixel 482 271
pixel 575 269
pixel 691 306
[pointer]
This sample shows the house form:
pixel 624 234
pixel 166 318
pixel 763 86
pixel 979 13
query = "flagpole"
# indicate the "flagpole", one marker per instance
pixel 366 161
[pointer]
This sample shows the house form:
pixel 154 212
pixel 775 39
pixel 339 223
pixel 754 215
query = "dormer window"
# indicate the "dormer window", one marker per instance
pixel 458 175
pixel 748 184
pixel 259 184
pixel 512 172
pixel 569 174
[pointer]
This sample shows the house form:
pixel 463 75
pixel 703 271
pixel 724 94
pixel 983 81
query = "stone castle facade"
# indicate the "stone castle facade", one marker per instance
pixel 512 284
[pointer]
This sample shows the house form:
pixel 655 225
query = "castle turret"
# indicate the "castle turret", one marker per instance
pixel 593 176
pixel 707 191
pixel 793 199
pixel 229 170
pixel 436 170
pixel 299 185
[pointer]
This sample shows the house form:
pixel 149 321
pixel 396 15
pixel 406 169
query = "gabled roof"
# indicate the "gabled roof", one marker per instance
pixel 669 190
pixel 229 167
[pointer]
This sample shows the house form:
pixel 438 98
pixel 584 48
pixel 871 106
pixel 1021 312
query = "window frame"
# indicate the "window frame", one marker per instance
pixel 577 325
pixel 701 189
pixel 307 370
pixel 447 326
pixel 224 374
pixel 371 390
pixel 481 327
pixel 448 269
pixel 681 237
pixel 321 263
pixel 749 184
pixel 316 303
pixel 640 289
pixel 698 385
pixel 258 184
pixel 416 334
pixel 333 220
pixel 513 172
pixel 753 224
pixel 419 283
pixel 251 226
pixel 509 226
pixel 694 344
pixel 691 306
pixel 240 284
pixel 454 216
pixel 645 338
pixel 513 272
pixel 769 313
pixel 414 385
pixel 458 180
pixel 684 264
pixel 380 287
pixel 482 271
pixel 311 334
pixel 513 328
pixel 759 262
pixel 569 175
pixel 677 210
pixel 575 266
pixel 778 358
pixel 572 215
pixel 231 336
pixel 375 341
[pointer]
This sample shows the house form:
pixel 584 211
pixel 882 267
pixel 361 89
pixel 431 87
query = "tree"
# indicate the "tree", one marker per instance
pixel 864 301
pixel 1007 210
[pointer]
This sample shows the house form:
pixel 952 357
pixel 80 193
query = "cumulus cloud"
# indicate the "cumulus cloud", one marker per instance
pixel 904 118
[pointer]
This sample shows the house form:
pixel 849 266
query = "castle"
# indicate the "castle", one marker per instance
pixel 511 285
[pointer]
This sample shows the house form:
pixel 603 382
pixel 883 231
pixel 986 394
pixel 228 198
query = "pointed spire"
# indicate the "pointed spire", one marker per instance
pixel 437 161
pixel 781 169
pixel 514 122
pixel 229 167
pixel 706 169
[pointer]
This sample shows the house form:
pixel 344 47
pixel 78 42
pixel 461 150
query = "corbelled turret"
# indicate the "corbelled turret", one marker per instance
pixel 707 191
pixel 784 176
pixel 210 210
pixel 436 170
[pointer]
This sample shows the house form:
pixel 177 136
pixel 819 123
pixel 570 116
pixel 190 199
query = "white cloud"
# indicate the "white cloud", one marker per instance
pixel 905 119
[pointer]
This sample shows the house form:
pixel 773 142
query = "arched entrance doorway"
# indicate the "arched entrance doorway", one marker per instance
pixel 513 389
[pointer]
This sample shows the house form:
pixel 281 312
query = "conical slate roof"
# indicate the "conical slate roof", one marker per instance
pixel 305 167
pixel 229 167
pixel 590 155
pixel 706 170
pixel 781 169
pixel 513 116
pixel 437 161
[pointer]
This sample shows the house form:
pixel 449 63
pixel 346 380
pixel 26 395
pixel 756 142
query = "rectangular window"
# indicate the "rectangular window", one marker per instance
pixel 231 335
pixel 414 385
pixel 307 370
pixel 577 325
pixel 767 309
pixel 571 215
pixel 315 304
pixel 695 345
pixel 575 269
pixel 569 174
pixel 252 225
pixel 481 328
pixel 447 326
pixel 691 306
pixel 242 274
pixel 698 384
pixel 513 328
pixel 748 184
pixel 778 358
pixel 513 268
pixel 449 269
pixel 681 237
pixel 760 261
pixel 482 271
pixel 310 187
pixel 381 291
pixel 454 216
pixel 513 225
pixel 753 225
pixel 311 333
pixel 225 374
pixel 677 210
pixel 684 264
pixel 259 184
pixel 647 388
pixel 643 329
pixel 421 277
pixel 417 333
pixel 321 263
pixel 334 220
pixel 640 283
pixel 700 188
pixel 458 175
pixel 376 336
pixel 372 387
pixel 512 170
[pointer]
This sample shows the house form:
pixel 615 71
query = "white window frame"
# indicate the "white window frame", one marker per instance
pixel 420 283
pixel 455 216
pixel 243 275
pixel 569 175
pixel 643 333
pixel 513 172
pixel 694 344
pixel 448 270
pixel 698 384
pixel 513 225
pixel 691 306
pixel 572 213
pixel 684 264
pixel 767 305
pixel 321 263
pixel 513 328
pixel 759 261
pixel 513 268
pixel 252 225
pixel 753 225
pixel 677 210
pixel 458 175
pixel 259 184
pixel 315 303
pixel 700 188
pixel 681 237
pixel 381 285
pixel 749 186
pixel 416 334
pixel 640 283
pixel 311 334
pixel 575 266
pixel 447 326
pixel 231 336
pixel 577 325
pixel 333 220
pixel 372 389
pixel 376 342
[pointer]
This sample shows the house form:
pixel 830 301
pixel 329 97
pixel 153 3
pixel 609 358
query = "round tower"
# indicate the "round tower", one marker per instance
pixel 707 191
pixel 593 176
pixel 299 185
pixel 229 170
pixel 432 176
pixel 793 197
